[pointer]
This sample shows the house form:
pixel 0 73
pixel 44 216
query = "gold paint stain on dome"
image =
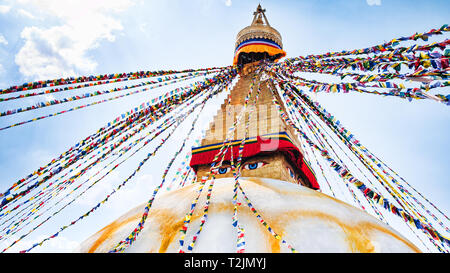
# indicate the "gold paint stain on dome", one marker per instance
pixel 310 221
pixel 260 28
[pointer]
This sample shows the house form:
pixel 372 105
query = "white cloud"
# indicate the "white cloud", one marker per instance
pixel 62 50
pixel 3 40
pixel 228 3
pixel 49 97
pixel 143 27
pixel 4 9
pixel 59 244
pixel 373 2
pixel 99 190
pixel 136 191
pixel 26 14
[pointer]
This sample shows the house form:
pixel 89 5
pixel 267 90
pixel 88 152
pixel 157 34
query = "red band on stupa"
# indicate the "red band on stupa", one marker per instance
pixel 260 145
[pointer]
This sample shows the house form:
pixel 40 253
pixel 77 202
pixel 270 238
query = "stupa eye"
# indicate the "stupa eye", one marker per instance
pixel 223 170
pixel 254 165
pixel 291 173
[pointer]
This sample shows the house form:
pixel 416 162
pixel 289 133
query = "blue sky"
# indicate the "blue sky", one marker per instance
pixel 50 38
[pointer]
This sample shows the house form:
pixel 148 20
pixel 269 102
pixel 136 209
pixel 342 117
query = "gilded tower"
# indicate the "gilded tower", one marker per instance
pixel 272 150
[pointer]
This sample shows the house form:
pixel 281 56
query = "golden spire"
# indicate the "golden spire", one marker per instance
pixel 260 28
pixel 259 37
pixel 259 14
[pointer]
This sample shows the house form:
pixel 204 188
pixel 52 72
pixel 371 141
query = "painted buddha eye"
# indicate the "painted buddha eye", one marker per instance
pixel 255 165
pixel 291 173
pixel 223 170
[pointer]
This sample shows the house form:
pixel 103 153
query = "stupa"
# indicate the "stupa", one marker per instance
pixel 283 208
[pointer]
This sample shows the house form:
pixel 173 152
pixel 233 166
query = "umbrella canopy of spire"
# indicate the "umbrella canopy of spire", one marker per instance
pixel 258 41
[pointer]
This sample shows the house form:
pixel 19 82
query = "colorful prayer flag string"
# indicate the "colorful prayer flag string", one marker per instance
pixel 104 77
pixel 344 173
